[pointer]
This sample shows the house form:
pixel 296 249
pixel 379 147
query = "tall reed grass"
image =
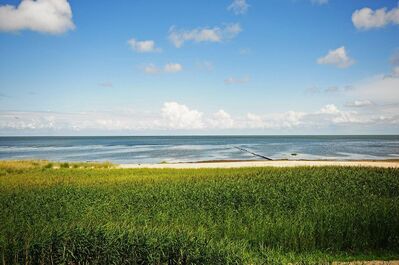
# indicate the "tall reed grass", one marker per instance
pixel 207 216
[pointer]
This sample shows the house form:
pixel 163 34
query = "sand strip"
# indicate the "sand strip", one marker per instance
pixel 274 163
pixel 374 262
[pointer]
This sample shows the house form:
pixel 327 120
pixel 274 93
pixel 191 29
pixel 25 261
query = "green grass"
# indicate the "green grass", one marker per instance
pixel 62 214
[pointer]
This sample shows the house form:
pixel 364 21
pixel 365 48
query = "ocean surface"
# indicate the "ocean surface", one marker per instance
pixel 156 149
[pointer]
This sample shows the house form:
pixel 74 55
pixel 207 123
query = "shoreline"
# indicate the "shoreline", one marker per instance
pixel 273 163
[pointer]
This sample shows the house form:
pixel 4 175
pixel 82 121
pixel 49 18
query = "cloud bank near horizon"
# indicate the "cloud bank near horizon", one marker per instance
pixel 177 117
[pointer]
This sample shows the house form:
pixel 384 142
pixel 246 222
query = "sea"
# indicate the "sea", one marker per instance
pixel 157 149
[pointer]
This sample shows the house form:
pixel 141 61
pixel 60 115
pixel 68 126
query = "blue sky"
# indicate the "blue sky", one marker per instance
pixel 199 67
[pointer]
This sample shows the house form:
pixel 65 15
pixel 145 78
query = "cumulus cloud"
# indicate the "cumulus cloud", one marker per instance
pixel 45 16
pixel 255 121
pixel 350 118
pixel 173 68
pixel 216 34
pixel 366 18
pixel 238 7
pixel 337 57
pixel 221 120
pixel 144 46
pixel 329 109
pixel 235 80
pixel 179 116
pixel 293 118
pixel 330 114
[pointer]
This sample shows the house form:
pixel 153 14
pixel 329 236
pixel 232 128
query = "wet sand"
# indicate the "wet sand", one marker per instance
pixel 275 163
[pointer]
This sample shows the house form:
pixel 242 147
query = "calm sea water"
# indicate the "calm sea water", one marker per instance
pixel 155 149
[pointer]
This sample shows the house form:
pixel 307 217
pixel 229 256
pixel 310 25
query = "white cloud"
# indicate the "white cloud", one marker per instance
pixel 179 116
pixel 360 103
pixel 293 118
pixel 169 68
pixel 46 16
pixel 221 120
pixel 254 121
pixel 238 7
pixel 232 30
pixel 329 109
pixel 235 80
pixel 151 69
pixel 349 118
pixel 173 68
pixel 331 114
pixel 337 57
pixel 143 46
pixel 215 34
pixel 319 2
pixel 366 18
pixel 289 119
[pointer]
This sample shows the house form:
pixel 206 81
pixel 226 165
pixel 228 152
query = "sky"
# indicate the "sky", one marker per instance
pixel 172 67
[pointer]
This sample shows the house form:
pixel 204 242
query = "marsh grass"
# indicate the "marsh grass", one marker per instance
pixel 300 215
pixel 35 164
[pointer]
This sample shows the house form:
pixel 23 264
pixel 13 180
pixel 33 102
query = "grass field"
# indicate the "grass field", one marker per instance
pixel 77 214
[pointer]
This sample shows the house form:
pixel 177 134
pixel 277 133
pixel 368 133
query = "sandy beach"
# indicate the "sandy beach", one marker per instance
pixel 275 163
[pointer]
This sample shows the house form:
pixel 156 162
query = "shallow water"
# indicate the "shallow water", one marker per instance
pixel 155 149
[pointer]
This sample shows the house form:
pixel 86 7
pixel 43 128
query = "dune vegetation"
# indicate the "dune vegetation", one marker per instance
pixel 93 214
